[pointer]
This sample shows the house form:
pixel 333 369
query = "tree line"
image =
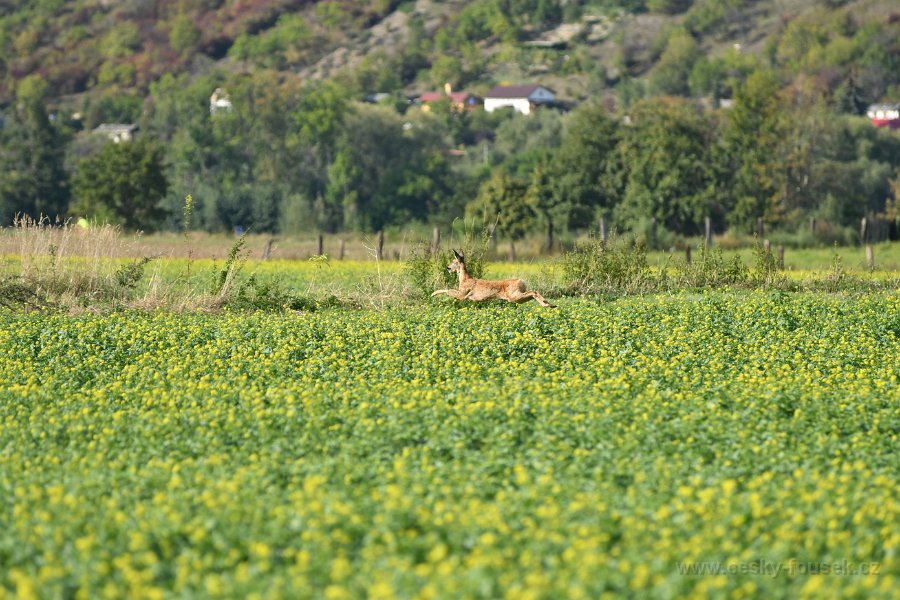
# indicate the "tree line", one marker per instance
pixel 293 158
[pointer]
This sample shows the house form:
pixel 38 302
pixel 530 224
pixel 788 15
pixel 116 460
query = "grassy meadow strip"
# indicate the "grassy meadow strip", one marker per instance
pixel 76 269
pixel 816 259
pixel 454 451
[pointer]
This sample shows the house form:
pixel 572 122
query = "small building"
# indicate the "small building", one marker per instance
pixel 376 98
pixel 521 98
pixel 884 115
pixel 117 132
pixel 459 101
pixel 219 101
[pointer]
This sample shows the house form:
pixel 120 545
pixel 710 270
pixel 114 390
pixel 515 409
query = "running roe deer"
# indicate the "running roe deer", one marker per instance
pixel 477 290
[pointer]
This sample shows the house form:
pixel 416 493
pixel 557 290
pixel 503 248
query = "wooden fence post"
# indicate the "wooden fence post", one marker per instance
pixel 760 228
pixel 863 231
pixel 512 251
pixel 320 246
pixel 707 231
pixel 767 247
pixel 812 225
pixel 435 241
pixel 870 257
pixel 268 249
pixel 379 249
pixel 602 229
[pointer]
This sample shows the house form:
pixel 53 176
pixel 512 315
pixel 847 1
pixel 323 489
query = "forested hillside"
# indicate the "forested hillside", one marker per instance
pixel 668 112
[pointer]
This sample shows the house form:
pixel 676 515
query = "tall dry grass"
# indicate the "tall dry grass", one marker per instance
pixel 75 266
pixel 66 260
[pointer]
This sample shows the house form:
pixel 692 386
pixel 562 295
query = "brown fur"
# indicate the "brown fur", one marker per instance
pixel 478 290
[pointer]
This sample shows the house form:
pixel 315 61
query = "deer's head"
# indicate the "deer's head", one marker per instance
pixel 458 263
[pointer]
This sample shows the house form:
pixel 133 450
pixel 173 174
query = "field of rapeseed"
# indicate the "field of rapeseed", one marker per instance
pixel 604 448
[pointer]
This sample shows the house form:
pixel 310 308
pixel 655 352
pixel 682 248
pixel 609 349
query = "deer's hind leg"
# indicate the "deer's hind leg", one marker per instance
pixel 520 297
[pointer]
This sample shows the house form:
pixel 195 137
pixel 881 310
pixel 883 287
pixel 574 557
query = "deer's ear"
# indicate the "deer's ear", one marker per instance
pixel 458 255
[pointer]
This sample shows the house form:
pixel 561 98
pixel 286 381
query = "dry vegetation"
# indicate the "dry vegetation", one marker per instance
pixel 61 264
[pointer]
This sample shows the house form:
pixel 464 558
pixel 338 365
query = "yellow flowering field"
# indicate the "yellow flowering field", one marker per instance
pixel 721 444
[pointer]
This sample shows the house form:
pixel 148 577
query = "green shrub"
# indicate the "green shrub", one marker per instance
pixel 765 273
pixel 234 262
pixel 129 274
pixel 271 295
pixel 254 294
pixel 616 264
pixel 17 293
pixel 708 269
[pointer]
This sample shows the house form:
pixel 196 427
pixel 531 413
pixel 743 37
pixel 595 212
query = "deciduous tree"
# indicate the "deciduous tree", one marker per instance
pixel 666 160
pixel 123 184
pixel 33 179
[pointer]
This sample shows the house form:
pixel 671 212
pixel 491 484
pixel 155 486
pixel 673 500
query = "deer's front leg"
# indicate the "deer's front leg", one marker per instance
pixel 456 294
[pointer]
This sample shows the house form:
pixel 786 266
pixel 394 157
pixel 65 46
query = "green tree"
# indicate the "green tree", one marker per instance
pixel 504 197
pixel 518 142
pixel 543 198
pixel 179 117
pixel 123 184
pixel 581 172
pixel 852 171
pixel 184 35
pixel 318 123
pixel 446 69
pixel 33 179
pixel 753 134
pixel 548 12
pixel 707 77
pixel 385 173
pixel 666 158
pixel 800 42
pixel 670 7
pixel 848 97
pixel 670 75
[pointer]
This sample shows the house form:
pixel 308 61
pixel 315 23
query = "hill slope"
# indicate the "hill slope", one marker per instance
pixel 99 48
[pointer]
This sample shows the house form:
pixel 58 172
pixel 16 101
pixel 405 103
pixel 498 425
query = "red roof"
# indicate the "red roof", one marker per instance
pixel 885 115
pixel 514 91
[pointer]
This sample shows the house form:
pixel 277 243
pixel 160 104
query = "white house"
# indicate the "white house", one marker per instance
pixel 219 101
pixel 885 115
pixel 117 132
pixel 521 98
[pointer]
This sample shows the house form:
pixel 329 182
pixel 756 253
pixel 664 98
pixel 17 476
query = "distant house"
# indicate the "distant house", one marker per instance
pixel 459 101
pixel 521 98
pixel 117 132
pixel 376 98
pixel 219 101
pixel 884 115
